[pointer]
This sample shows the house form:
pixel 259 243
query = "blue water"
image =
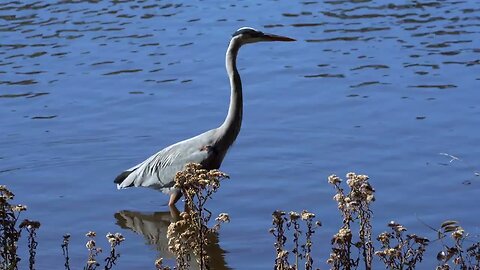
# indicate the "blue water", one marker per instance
pixel 88 89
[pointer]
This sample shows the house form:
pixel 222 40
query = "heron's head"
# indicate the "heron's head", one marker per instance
pixel 246 35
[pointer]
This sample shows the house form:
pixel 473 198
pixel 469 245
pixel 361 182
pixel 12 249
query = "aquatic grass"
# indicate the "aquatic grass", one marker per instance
pixel 189 234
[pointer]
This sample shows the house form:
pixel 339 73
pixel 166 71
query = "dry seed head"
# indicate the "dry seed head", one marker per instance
pixel 353 205
pixel 390 251
pixel 223 217
pixel 351 182
pixel 278 214
pixel 334 180
pixel 30 224
pixel 19 208
pixel 115 239
pixel 362 177
pixel 119 237
pixel 384 237
pixel 203 182
pixel 339 197
pixel 111 241
pixel 294 215
pixel 458 233
pixel 399 228
pixel 307 215
pixel 366 188
pixel 334 257
pixel 6 193
pixel 90 244
pixel 392 224
pixel 282 254
pixel 344 235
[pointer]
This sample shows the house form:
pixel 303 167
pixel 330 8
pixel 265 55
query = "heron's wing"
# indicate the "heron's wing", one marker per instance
pixel 159 170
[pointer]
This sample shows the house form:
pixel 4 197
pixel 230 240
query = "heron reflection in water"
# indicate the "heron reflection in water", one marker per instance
pixel 207 149
pixel 153 227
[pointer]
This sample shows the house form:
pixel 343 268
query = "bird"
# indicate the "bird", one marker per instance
pixel 209 148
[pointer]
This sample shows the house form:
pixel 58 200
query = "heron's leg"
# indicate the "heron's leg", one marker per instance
pixel 174 197
pixel 174 213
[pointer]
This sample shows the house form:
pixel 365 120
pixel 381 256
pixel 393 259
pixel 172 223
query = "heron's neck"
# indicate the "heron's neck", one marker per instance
pixel 230 128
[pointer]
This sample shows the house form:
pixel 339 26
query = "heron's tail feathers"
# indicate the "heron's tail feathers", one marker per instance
pixel 120 180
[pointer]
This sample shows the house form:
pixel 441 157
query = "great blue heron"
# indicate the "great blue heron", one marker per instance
pixel 208 148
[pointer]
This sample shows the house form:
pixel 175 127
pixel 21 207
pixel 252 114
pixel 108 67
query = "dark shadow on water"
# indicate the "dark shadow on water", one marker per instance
pixel 153 227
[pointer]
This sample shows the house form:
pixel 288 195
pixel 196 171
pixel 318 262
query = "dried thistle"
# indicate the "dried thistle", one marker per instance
pixel 10 234
pixel 278 230
pixel 93 251
pixel 354 206
pixel 114 240
pixel 31 226
pixel 282 222
pixel 307 247
pixel 401 251
pixel 190 233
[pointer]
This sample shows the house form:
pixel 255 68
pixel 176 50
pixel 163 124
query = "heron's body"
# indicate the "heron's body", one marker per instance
pixel 208 148
pixel 158 171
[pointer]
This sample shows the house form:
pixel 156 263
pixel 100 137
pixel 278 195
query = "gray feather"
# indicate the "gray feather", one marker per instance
pixel 159 170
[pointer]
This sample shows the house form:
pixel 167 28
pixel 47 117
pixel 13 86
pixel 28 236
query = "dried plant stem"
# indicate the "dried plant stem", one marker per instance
pixel 66 256
pixel 31 227
pixel 365 235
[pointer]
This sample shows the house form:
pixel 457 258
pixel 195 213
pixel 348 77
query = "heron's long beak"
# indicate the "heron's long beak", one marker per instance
pixel 271 37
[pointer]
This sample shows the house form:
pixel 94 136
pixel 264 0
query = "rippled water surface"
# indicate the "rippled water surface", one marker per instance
pixel 385 88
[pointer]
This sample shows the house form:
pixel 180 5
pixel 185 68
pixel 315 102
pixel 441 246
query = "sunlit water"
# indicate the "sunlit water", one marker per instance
pixel 89 88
